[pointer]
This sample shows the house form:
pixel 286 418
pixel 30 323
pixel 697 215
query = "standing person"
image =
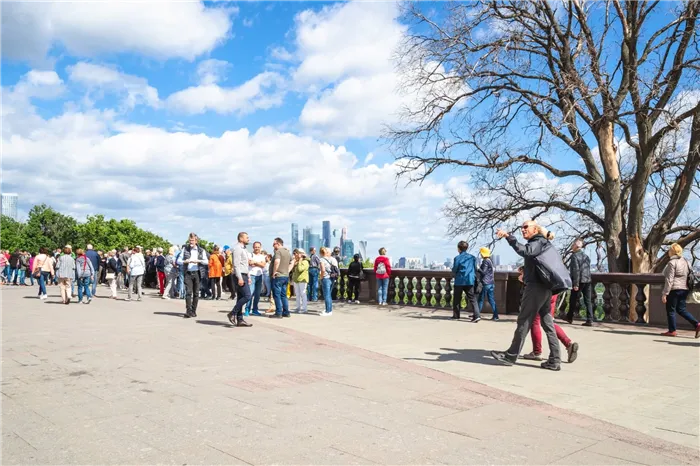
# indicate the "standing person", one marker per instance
pixel 257 262
pixel 4 267
pixel 136 268
pixel 204 277
pixel 280 278
pixel 112 272
pixel 328 265
pixel 94 258
pixel 181 272
pixel 42 269
pixel 159 263
pixel 228 271
pixel 84 272
pixel 336 276
pixel 675 292
pixel 30 271
pixel 487 280
pixel 23 265
pixel 171 273
pixel 536 298
pixel 65 272
pixel 124 265
pixel 300 278
pixel 215 270
pixel 267 282
pixel 382 270
pixel 464 270
pixel 191 257
pixel 354 278
pixel 102 272
pixel 14 267
pixel 314 271
pixel 240 268
pixel 580 270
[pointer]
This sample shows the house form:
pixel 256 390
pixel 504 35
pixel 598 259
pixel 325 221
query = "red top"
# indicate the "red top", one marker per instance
pixel 387 264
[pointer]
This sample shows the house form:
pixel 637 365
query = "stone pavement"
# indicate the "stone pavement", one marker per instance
pixel 119 382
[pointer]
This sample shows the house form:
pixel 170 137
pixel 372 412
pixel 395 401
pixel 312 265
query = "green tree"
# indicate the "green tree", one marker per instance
pixel 368 264
pixel 47 228
pixel 11 234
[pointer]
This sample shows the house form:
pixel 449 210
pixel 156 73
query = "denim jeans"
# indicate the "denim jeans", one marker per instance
pixel 43 279
pixel 95 277
pixel 243 296
pixel 13 275
pixel 312 290
pixel 382 290
pixel 21 274
pixel 255 290
pixel 181 285
pixel 279 291
pixel 675 303
pixel 327 284
pixel 487 291
pixel 84 288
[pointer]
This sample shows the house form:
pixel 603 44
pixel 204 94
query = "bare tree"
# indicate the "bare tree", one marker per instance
pixel 586 113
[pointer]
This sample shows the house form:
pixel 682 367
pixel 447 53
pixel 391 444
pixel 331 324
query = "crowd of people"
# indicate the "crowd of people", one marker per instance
pixel 192 273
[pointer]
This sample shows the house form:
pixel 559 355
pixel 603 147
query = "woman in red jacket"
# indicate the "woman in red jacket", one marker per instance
pixel 382 270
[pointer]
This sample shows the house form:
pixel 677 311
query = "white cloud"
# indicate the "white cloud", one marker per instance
pixel 135 89
pixel 181 29
pixel 212 71
pixel 263 91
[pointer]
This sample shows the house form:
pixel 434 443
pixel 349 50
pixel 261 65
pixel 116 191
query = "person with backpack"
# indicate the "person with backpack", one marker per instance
pixel 355 274
pixel 464 270
pixel 678 280
pixel 382 270
pixel 329 268
pixel 84 272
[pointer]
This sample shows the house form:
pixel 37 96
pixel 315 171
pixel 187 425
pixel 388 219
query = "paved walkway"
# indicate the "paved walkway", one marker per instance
pixel 119 382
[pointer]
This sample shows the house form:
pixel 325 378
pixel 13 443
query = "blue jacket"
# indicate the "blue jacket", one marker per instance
pixel 464 269
pixel 94 258
pixel 486 271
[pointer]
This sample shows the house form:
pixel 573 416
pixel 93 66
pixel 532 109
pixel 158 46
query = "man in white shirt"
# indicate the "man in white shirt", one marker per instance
pixel 191 258
pixel 257 263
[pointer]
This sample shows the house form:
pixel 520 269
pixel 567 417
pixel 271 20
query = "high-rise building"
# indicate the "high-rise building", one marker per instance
pixel 343 237
pixel 348 250
pixel 9 205
pixel 306 239
pixel 425 261
pixel 314 242
pixel 414 262
pixel 326 232
pixel 402 262
pixel 363 249
pixel 496 260
pixel 295 236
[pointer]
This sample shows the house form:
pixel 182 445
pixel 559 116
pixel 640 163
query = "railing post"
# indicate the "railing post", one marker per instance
pixel 624 297
pixel 391 291
pixel 641 306
pixel 402 291
pixel 428 292
pixel 448 292
pixel 409 291
pixel 607 302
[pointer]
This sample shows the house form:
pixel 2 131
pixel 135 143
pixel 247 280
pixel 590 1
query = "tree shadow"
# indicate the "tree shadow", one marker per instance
pixel 215 323
pixel 694 344
pixel 174 314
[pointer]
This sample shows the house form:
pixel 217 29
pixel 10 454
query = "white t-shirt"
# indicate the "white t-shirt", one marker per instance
pixel 255 270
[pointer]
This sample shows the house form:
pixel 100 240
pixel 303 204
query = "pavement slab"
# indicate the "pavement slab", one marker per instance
pixel 118 382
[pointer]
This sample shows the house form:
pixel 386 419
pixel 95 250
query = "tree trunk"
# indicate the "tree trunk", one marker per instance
pixel 641 261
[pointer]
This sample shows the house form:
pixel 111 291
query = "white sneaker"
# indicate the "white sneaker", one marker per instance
pixel 326 314
pixel 127 299
pixel 357 302
pixel 303 311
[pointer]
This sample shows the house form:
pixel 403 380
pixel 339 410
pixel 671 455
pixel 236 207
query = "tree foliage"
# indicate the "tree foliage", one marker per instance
pixel 586 114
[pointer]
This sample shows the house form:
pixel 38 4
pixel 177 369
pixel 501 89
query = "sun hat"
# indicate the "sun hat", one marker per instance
pixel 485 252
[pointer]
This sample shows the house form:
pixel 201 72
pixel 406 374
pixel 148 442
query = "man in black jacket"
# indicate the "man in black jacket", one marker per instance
pixel 580 270
pixel 536 298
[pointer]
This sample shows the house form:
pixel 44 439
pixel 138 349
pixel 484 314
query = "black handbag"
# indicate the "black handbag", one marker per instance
pixel 552 271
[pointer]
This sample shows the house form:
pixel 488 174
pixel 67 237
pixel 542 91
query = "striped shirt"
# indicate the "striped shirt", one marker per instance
pixel 65 267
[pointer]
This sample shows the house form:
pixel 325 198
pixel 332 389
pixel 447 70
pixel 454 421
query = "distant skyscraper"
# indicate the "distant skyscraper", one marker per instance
pixel 326 239
pixel 363 249
pixel 343 237
pixel 402 262
pixel 295 236
pixel 9 205
pixel 425 260
pixel 496 260
pixel 348 250
pixel 305 244
pixel 314 242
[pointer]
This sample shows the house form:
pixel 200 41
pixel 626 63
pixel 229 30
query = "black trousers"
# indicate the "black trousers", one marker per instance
pixel 471 300
pixel 586 290
pixel 191 292
pixel 353 289
pixel 230 283
pixel 215 283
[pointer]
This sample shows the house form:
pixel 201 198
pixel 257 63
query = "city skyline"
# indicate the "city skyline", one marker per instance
pixel 9 205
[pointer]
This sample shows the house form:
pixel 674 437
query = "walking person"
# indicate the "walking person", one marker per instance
pixel 355 273
pixel 43 270
pixel 257 262
pixel 675 292
pixel 487 279
pixel 228 272
pixel 171 273
pixel 112 272
pixel 300 278
pixel 280 278
pixel 314 271
pixel 159 264
pixel 136 268
pixel 191 257
pixel 65 272
pixel 382 270
pixel 215 271
pixel 240 268
pixel 123 266
pixel 181 273
pixel 23 267
pixel 464 270
pixel 84 272
pixel 580 271
pixel 328 265
pixel 536 298
pixel 94 258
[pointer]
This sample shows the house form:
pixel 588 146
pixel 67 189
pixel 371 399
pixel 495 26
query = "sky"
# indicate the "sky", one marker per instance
pixel 216 118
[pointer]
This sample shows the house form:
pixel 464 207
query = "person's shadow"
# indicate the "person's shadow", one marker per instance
pixel 695 344
pixel 215 323
pixel 476 356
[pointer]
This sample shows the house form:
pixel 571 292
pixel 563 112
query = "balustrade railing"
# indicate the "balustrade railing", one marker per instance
pixel 617 297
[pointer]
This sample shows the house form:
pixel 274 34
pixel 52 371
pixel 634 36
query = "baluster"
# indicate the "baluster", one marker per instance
pixel 402 291
pixel 419 292
pixel 624 298
pixel 409 292
pixel 448 293
pixel 428 292
pixel 641 306
pixel 341 285
pixel 607 302
pixel 594 299
pixel 438 293
pixel 391 291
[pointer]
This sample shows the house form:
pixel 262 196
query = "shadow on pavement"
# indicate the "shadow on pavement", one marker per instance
pixel 174 314
pixel 215 323
pixel 624 332
pixel 695 344
pixel 478 356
